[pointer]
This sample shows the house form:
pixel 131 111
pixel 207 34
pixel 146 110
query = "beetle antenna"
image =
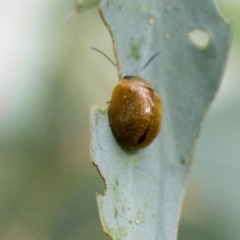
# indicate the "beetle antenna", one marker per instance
pixel 110 60
pixel 149 61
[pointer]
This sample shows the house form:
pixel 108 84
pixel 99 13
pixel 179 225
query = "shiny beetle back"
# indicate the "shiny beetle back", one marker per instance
pixel 135 112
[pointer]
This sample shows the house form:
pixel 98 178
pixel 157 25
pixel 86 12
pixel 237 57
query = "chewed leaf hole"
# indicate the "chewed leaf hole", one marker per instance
pixel 199 38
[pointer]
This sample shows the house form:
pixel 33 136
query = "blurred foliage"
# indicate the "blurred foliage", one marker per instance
pixel 49 78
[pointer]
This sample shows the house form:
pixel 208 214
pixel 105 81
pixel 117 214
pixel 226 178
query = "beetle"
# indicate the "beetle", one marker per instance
pixel 135 110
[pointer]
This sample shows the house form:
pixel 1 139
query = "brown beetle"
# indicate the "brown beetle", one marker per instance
pixel 135 110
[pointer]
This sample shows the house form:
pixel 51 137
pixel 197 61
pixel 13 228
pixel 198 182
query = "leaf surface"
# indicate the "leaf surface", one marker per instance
pixel 145 188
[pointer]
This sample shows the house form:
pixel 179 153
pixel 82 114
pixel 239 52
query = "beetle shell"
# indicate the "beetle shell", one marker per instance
pixel 135 112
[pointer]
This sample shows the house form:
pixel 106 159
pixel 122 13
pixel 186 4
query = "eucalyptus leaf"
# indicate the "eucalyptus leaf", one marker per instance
pixel 145 188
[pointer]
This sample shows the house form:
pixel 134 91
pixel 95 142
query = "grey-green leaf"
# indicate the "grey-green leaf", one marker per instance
pixel 144 189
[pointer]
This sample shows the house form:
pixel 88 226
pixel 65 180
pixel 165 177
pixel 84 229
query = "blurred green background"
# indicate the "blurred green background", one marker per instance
pixel 49 77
